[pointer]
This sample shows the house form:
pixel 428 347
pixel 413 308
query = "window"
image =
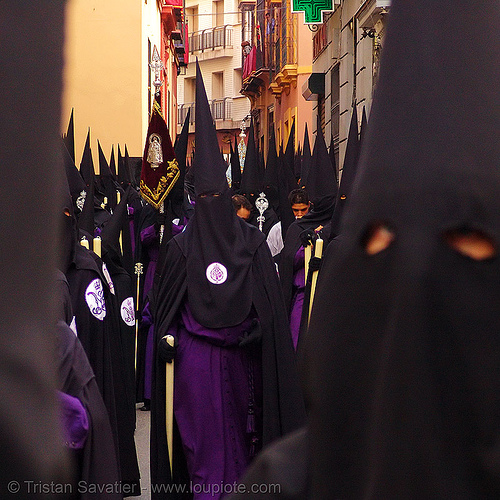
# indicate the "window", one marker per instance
pixel 192 18
pixel 189 90
pixel 218 13
pixel 218 85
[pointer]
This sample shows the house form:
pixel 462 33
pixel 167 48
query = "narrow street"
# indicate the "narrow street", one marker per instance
pixel 142 446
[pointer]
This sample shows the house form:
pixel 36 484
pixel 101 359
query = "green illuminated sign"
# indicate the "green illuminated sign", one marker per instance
pixel 313 9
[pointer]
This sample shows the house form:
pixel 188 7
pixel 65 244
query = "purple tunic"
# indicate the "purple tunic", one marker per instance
pixel 74 421
pixel 216 383
pixel 151 243
pixel 299 284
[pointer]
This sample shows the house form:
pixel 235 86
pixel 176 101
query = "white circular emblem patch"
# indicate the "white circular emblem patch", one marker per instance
pixel 216 273
pixel 94 295
pixel 128 311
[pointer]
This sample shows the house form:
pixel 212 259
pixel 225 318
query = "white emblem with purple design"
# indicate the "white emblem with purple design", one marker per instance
pixel 128 311
pixel 216 273
pixel 94 296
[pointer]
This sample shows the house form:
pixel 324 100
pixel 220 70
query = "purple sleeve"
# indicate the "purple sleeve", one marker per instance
pixel 299 272
pixel 74 421
pixel 149 235
pixel 177 229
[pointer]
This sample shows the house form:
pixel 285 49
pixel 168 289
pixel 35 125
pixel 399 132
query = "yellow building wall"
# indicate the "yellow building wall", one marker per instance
pixel 103 74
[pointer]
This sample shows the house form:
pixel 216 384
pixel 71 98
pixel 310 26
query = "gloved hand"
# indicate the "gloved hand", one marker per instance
pixel 166 352
pixel 314 264
pixel 253 336
pixel 159 220
pixel 307 237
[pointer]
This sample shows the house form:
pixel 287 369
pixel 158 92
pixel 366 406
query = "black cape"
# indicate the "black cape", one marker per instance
pixel 97 463
pixel 101 339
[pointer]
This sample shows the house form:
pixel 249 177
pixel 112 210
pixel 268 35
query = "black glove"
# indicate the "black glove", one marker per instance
pixel 159 221
pixel 166 352
pixel 307 237
pixel 253 336
pixel 314 264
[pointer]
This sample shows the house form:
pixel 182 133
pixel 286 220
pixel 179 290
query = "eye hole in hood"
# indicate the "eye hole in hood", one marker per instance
pixel 471 243
pixel 378 236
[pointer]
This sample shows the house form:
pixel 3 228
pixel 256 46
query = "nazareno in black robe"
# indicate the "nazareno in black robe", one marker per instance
pixel 97 463
pixel 102 342
pixel 283 407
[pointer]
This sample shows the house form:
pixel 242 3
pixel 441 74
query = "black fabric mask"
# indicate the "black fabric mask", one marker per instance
pixel 403 353
pixel 219 248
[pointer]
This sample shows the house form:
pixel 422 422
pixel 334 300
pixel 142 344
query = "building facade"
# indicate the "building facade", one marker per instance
pixel 346 57
pixel 110 71
pixel 214 38
pixel 278 55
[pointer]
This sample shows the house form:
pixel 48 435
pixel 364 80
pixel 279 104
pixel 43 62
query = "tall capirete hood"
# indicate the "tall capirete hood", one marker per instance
pixel 110 233
pixel 76 184
pixel 349 171
pixel 69 137
pixel 403 349
pixel 271 175
pixel 235 168
pixel 321 183
pixel 251 180
pixel 218 245
pixel 107 181
pixel 207 178
pixel 306 159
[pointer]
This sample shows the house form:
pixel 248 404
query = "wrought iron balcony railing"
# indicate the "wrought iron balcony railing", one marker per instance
pixel 211 38
pixel 222 109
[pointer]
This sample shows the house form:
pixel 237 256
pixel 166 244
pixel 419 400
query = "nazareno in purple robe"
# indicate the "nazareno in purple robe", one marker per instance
pixel 299 284
pixel 217 401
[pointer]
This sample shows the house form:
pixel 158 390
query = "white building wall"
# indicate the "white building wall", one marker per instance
pixel 354 50
pixel 219 59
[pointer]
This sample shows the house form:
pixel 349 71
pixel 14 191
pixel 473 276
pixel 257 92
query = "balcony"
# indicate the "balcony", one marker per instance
pixel 222 109
pixel 212 42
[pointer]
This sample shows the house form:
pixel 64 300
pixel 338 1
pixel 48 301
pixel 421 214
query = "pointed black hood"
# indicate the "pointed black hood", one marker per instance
pixel 251 180
pixel 321 182
pixel 76 184
pixel 69 137
pixel 362 130
pixel 208 179
pixel 331 154
pixel 348 173
pixel 404 344
pixel 288 163
pixel 181 147
pixel 107 182
pixel 271 175
pixel 110 233
pixel 218 245
pixel 112 163
pixel 306 160
pixel 86 164
pixel 123 171
pixel 297 163
pixel 235 168
pixel 177 195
